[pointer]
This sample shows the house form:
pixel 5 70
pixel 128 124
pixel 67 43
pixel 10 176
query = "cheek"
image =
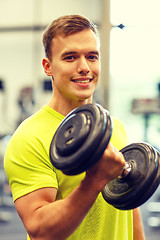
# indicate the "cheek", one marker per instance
pixel 96 69
pixel 63 70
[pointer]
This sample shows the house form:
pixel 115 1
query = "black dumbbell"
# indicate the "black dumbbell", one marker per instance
pixel 80 141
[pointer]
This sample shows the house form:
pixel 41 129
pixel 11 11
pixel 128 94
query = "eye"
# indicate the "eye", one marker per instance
pixel 93 57
pixel 70 58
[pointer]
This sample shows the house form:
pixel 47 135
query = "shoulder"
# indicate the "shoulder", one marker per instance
pixel 32 137
pixel 40 125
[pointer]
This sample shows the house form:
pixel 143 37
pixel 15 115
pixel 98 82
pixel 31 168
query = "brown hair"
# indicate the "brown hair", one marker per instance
pixel 64 26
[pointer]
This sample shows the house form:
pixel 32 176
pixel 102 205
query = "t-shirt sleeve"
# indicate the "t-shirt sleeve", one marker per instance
pixel 27 165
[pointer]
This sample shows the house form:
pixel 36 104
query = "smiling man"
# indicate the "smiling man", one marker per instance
pixel 74 66
pixel 54 206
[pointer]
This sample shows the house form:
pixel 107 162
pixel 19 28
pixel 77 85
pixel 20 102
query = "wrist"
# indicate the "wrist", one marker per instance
pixel 93 184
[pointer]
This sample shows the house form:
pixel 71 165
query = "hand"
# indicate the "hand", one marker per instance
pixel 107 168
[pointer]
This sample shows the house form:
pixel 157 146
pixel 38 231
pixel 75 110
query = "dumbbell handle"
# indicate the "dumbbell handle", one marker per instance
pixel 126 170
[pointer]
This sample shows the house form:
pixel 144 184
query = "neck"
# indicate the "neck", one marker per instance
pixel 65 107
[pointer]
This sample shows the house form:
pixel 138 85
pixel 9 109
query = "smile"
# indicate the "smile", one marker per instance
pixel 82 80
pixel 79 81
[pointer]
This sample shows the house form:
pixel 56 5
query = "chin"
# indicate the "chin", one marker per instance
pixel 86 99
pixel 85 96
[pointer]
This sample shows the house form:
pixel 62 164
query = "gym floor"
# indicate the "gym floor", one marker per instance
pixel 13 228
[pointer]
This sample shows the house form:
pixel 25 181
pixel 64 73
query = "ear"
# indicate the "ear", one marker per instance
pixel 47 66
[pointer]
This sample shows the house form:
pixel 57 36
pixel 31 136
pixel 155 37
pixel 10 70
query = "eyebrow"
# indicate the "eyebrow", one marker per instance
pixel 72 52
pixel 67 53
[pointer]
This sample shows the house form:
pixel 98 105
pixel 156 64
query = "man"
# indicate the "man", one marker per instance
pixel 53 206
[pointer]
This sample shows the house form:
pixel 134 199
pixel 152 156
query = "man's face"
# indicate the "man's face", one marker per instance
pixel 75 66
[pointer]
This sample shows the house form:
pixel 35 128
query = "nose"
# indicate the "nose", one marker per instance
pixel 83 67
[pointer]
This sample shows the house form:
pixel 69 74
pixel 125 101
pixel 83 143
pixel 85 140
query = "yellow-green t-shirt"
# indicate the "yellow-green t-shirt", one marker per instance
pixel 28 168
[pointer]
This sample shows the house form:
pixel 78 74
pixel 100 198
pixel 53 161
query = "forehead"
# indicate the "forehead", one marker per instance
pixel 85 40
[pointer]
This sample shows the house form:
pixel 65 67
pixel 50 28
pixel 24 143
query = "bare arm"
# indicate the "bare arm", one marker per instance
pixel 44 218
pixel 54 219
pixel 138 232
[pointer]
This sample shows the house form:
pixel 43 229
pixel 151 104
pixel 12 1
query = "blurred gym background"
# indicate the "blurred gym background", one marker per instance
pixel 129 86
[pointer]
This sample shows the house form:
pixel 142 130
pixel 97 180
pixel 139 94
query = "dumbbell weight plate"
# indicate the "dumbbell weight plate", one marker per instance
pixel 81 139
pixel 138 186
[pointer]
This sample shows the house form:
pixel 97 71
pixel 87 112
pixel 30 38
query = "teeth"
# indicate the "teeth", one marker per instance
pixel 84 81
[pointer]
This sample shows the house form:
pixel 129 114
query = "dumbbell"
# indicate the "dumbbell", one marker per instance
pixel 79 143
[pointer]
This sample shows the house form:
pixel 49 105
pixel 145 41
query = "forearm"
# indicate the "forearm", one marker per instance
pixel 58 220
pixel 138 231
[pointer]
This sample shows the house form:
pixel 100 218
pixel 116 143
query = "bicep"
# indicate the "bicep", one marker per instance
pixel 27 205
